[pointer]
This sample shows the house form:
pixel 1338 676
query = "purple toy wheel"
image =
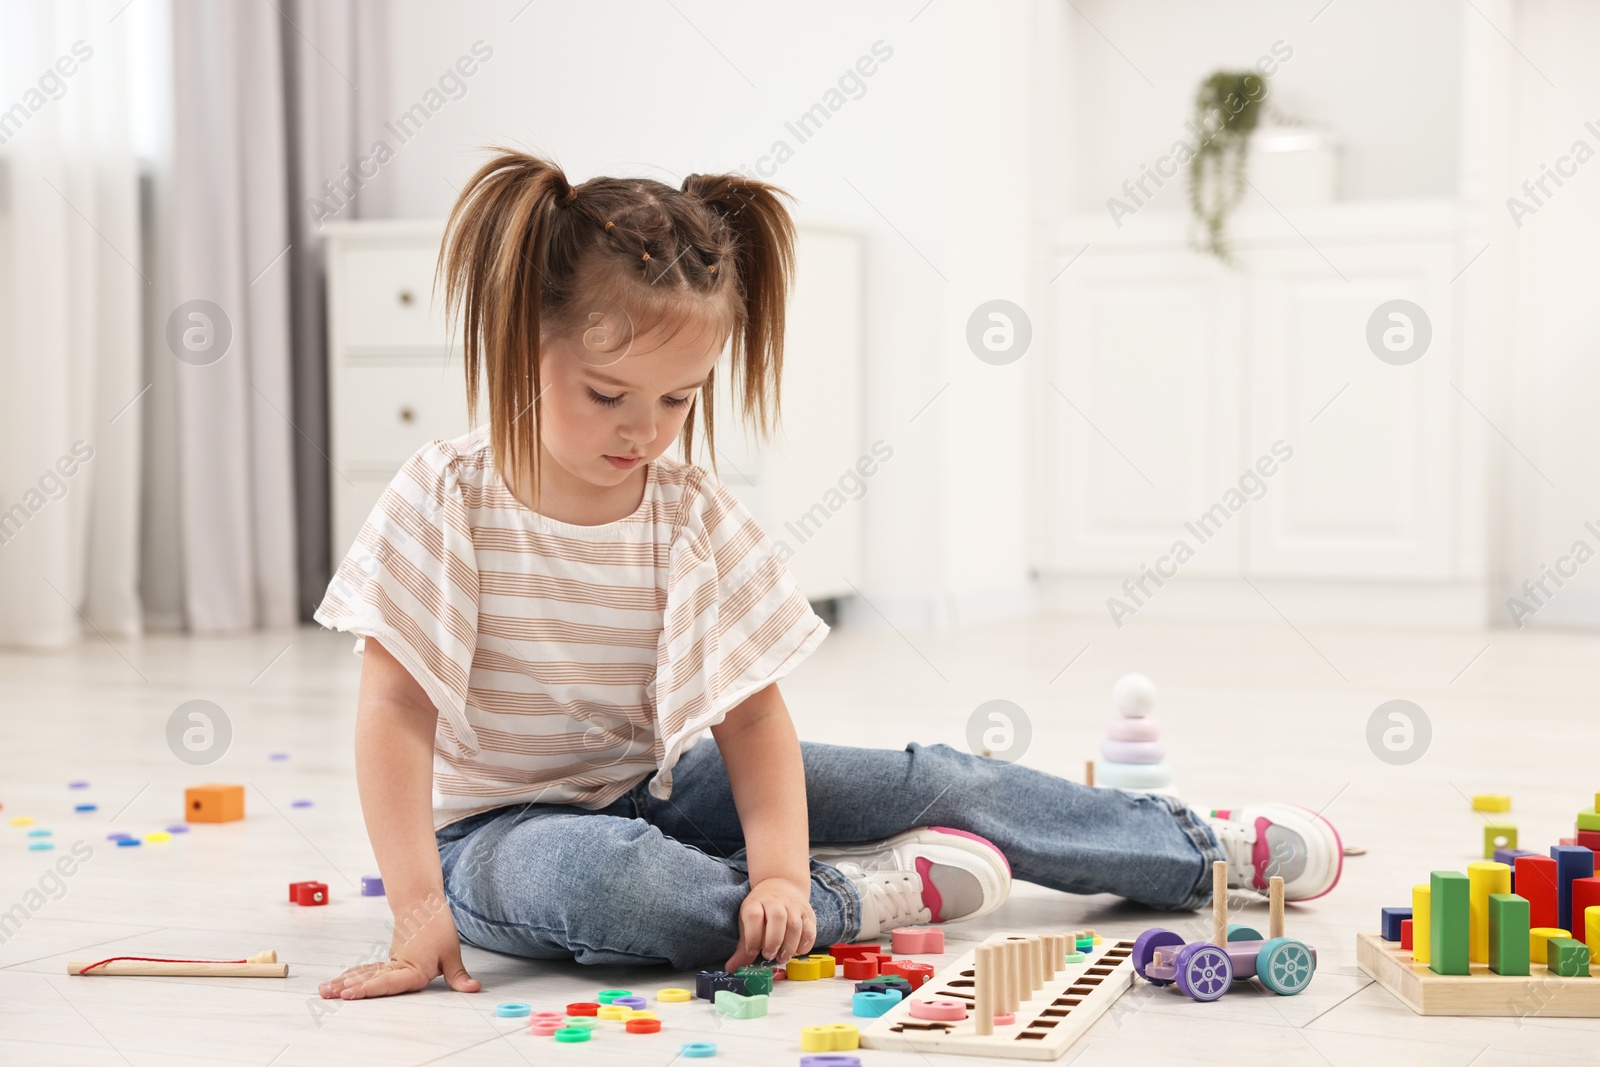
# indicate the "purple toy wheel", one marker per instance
pixel 1204 971
pixel 1144 950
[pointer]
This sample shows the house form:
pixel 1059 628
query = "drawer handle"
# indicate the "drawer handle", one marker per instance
pixel 406 298
pixel 407 415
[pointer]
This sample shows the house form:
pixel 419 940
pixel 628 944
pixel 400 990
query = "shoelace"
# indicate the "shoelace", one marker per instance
pixel 1238 848
pixel 895 895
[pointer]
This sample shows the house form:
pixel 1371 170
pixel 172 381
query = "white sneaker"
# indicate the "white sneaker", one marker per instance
pixel 930 874
pixel 1292 842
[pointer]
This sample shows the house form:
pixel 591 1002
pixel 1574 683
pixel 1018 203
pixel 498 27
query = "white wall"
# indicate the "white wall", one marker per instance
pixel 640 89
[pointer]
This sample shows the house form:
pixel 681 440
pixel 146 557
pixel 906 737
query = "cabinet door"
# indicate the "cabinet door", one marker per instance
pixel 1141 409
pixel 1368 492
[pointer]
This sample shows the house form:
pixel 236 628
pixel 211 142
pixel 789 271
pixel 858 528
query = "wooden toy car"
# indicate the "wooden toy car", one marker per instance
pixel 1205 970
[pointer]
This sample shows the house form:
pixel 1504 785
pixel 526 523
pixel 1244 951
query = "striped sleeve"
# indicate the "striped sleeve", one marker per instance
pixel 411 581
pixel 735 622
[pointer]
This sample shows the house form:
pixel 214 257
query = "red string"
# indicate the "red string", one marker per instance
pixel 151 959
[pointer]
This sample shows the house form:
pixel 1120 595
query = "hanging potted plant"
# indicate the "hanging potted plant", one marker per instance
pixel 1227 107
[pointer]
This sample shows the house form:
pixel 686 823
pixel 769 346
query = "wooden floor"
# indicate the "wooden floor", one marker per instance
pixel 1249 713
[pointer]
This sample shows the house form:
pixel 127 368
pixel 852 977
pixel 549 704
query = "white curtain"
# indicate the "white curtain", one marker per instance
pixel 72 279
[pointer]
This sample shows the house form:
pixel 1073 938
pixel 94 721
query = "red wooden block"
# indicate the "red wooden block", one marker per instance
pixel 1405 935
pixel 1536 883
pixel 915 973
pixel 308 894
pixel 860 970
pixel 1585 894
pixel 842 952
pixel 1589 839
pixel 1568 841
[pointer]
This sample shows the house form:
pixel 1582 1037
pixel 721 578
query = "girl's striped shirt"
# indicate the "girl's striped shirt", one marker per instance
pixel 566 662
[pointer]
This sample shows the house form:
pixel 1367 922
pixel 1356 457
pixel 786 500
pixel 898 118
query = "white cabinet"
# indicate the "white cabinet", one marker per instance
pixel 394 384
pixel 1170 375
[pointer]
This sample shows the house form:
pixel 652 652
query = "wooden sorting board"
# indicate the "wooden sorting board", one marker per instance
pixel 1482 992
pixel 1046 1024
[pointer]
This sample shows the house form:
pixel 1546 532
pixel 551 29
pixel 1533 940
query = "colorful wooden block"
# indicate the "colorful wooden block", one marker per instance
pixel 1491 802
pixel 1572 862
pixel 860 970
pixel 1421 913
pixel 1585 895
pixel 1540 937
pixel 730 1003
pixel 805 969
pixel 1450 926
pixel 833 1037
pixel 1484 878
pixel 707 983
pixel 1587 819
pixel 213 803
pixel 1509 857
pixel 1592 924
pixel 870 1005
pixel 371 885
pixel 1407 934
pixel 757 980
pixel 1389 920
pixel 842 951
pixel 1498 835
pixel 1508 934
pixel 1536 881
pixel 827 966
pixel 917 941
pixel 308 894
pixel 1568 957
pixel 893 983
pixel 911 971
pixel 1589 839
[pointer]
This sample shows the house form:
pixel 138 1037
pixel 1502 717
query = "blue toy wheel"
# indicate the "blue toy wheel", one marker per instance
pixel 1144 950
pixel 1241 932
pixel 1285 966
pixel 1204 971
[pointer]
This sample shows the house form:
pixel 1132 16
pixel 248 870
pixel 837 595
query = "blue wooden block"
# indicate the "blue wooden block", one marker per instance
pixel 1572 861
pixel 1508 856
pixel 707 983
pixel 1389 922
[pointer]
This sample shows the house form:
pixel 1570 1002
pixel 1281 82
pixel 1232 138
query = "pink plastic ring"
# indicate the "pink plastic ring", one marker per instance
pixel 547 1016
pixel 544 1028
pixel 1147 729
pixel 952 1011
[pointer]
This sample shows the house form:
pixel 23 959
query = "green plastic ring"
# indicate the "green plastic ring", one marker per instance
pixel 572 1033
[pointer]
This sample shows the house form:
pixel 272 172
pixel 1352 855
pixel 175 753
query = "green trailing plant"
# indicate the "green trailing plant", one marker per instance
pixel 1227 108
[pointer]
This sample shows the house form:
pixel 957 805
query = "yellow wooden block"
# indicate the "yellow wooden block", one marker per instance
pixel 1488 802
pixel 1538 942
pixel 826 964
pixel 22 820
pixel 1591 916
pixel 803 970
pixel 834 1037
pixel 1422 921
pixel 1483 878
pixel 157 835
pixel 674 995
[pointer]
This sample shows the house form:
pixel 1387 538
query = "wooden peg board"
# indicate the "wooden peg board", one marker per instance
pixel 1046 1024
pixel 1540 994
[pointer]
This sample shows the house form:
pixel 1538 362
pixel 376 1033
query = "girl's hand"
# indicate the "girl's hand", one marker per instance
pixel 775 923
pixel 429 950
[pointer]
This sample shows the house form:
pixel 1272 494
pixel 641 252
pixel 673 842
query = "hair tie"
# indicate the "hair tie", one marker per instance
pixel 609 224
pixel 712 269
pixel 572 194
pixel 647 257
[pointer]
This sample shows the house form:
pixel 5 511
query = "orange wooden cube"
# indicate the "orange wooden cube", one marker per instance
pixel 213 803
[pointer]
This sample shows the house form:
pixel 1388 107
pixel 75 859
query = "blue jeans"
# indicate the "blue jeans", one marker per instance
pixel 660 881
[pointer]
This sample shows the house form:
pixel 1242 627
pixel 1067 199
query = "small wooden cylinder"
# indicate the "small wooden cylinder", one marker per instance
pixel 983 991
pixel 1088 772
pixel 1219 902
pixel 1275 903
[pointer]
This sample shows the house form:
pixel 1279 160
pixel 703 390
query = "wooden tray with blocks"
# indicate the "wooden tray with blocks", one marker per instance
pixel 1482 992
pixel 1053 1006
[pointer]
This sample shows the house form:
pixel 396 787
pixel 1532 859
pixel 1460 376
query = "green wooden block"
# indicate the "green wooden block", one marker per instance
pixel 1569 957
pixel 1588 819
pixel 757 980
pixel 730 1003
pixel 1449 925
pixel 1508 934
pixel 1498 835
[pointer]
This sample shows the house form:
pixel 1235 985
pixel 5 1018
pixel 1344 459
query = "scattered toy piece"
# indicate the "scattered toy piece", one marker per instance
pixel 917 941
pixel 308 894
pixel 86 807
pixel 213 803
pixel 513 1010
pixel 371 885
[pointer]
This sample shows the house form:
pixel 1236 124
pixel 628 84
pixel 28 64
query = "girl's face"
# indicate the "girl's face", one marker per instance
pixel 605 415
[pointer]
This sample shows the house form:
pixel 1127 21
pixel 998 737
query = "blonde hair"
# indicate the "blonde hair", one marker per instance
pixel 527 257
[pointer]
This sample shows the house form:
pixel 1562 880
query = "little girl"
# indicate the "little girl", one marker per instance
pixel 552 612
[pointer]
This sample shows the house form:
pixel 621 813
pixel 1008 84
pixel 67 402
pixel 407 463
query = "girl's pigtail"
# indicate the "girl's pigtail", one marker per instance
pixel 763 248
pixel 494 263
